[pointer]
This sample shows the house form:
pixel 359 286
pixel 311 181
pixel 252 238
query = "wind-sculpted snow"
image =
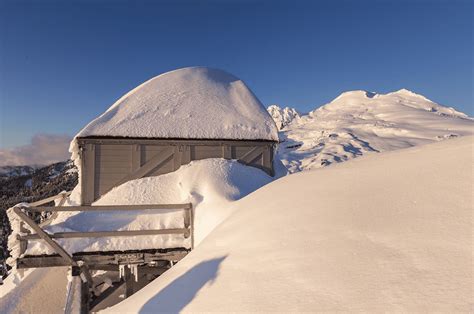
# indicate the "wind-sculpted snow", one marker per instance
pixel 358 123
pixel 282 116
pixel 389 232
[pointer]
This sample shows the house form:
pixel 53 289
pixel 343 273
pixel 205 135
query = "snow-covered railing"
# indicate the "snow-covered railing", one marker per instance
pixel 187 231
pixel 23 210
pixel 62 197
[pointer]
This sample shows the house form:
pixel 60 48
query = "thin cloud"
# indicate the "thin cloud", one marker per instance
pixel 44 149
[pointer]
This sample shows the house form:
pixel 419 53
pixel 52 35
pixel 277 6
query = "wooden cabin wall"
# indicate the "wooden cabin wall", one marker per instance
pixel 107 163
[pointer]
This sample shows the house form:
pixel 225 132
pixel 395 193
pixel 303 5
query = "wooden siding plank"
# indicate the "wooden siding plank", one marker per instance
pixel 115 158
pixel 88 174
pixel 252 154
pixel 267 162
pixel 186 155
pixel 177 157
pixel 163 168
pixel 113 163
pixel 226 151
pixel 149 166
pixel 257 161
pixel 114 147
pixel 110 169
pixel 239 151
pixel 136 159
pixel 204 152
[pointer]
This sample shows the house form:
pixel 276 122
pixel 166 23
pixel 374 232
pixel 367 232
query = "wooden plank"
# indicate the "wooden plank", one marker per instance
pixel 85 298
pixel 252 154
pixel 86 208
pixel 136 159
pixel 128 282
pixel 156 148
pixel 165 167
pixel 108 298
pixel 204 152
pixel 106 163
pixel 239 151
pixel 50 199
pixel 257 161
pixel 100 234
pixel 111 178
pixel 268 160
pixel 107 171
pixel 178 150
pixel 226 152
pixel 100 258
pixel 53 216
pixel 114 147
pixel 88 174
pixel 186 155
pixel 170 141
pixel 149 166
pixel 114 157
pixel 43 235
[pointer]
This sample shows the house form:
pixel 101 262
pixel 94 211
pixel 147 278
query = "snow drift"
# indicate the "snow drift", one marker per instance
pixel 210 184
pixel 358 123
pixel 387 232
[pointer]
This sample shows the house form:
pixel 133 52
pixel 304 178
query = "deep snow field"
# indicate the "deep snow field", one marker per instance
pixel 359 122
pixel 388 232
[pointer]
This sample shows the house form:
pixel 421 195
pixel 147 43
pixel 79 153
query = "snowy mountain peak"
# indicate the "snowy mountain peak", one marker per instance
pixel 361 122
pixel 283 116
pixel 405 93
pixel 361 94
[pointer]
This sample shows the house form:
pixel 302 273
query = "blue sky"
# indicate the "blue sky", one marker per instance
pixel 63 63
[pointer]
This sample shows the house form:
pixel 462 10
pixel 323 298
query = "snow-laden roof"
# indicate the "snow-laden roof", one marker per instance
pixel 189 103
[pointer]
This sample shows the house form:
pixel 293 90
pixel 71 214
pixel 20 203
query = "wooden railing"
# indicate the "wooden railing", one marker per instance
pixel 22 210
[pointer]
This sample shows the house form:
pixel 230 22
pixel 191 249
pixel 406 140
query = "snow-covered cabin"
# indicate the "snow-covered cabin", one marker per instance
pixel 179 116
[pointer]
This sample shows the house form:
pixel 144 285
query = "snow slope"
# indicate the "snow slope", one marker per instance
pixel 41 290
pixel 388 232
pixel 359 122
pixel 210 184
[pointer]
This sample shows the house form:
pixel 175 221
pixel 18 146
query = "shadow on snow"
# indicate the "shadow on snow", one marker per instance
pixel 179 293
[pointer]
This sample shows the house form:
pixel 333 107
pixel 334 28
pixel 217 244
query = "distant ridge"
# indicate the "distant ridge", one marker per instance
pixel 361 122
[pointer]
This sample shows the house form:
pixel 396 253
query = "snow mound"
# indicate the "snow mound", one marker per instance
pixel 360 122
pixel 189 103
pixel 387 232
pixel 282 116
pixel 210 184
